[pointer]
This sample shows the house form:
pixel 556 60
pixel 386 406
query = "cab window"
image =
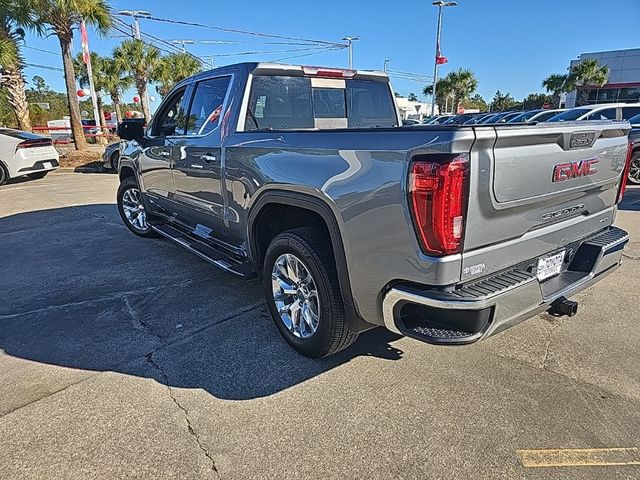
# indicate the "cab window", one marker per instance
pixel 206 105
pixel 171 119
pixel 606 114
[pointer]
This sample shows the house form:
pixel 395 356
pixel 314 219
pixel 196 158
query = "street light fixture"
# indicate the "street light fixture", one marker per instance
pixel 135 14
pixel 183 43
pixel 439 4
pixel 350 41
pixel 386 61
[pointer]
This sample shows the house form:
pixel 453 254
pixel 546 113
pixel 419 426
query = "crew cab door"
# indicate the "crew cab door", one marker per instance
pixel 197 171
pixel 161 149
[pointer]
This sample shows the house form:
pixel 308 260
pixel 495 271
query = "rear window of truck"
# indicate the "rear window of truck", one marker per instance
pixel 292 103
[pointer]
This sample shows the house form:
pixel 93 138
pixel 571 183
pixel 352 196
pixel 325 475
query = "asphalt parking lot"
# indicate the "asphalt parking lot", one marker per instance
pixel 129 358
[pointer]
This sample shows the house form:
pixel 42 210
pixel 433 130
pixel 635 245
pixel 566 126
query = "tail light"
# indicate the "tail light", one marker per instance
pixel 329 72
pixel 625 172
pixel 438 194
pixel 40 142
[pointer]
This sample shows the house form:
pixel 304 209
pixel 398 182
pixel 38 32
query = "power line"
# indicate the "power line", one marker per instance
pixel 238 31
pixel 326 49
pixel 45 67
pixel 41 50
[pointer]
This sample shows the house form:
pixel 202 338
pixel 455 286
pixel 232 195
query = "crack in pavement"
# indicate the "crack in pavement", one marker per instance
pixel 547 348
pixel 190 429
pixel 139 324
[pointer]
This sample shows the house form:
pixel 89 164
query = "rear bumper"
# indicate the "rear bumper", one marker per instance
pixel 39 166
pixel 481 308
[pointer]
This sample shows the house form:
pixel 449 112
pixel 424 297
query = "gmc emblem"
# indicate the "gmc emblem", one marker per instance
pixel 569 170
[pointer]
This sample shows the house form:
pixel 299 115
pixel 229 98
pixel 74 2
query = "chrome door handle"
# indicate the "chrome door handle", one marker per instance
pixel 208 158
pixel 164 153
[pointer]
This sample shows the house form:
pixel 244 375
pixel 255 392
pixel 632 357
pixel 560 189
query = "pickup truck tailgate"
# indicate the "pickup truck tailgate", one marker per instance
pixel 554 162
pixel 534 189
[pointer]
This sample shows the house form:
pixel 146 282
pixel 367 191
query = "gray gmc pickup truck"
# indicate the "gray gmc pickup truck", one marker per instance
pixel 302 176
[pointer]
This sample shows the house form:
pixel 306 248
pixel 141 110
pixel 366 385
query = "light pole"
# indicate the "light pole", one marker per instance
pixel 386 61
pixel 439 4
pixel 350 41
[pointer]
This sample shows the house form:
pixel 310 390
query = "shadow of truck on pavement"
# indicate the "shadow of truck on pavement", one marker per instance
pixel 81 291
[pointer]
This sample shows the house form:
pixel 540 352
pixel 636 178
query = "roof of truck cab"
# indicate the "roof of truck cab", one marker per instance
pixel 268 68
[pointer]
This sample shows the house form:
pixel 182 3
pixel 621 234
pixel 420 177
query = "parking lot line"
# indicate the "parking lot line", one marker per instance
pixel 579 457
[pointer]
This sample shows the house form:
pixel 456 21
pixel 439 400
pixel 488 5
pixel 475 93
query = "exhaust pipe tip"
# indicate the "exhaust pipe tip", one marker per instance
pixel 561 307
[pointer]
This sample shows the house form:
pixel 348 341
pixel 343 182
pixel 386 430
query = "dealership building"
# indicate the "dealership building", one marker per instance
pixel 623 84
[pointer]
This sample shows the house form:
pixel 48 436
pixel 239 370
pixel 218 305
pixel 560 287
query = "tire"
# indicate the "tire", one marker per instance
pixel 132 210
pixel 310 246
pixel 114 160
pixel 4 176
pixel 37 175
pixel 634 170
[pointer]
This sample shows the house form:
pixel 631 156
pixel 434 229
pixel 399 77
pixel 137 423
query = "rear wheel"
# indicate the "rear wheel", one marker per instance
pixel 4 176
pixel 303 293
pixel 114 160
pixel 37 175
pixel 634 169
pixel 132 209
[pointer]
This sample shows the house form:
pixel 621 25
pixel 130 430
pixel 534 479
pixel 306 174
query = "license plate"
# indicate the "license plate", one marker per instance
pixel 550 266
pixel 47 165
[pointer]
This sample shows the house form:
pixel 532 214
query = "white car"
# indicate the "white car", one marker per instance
pixel 23 153
pixel 603 111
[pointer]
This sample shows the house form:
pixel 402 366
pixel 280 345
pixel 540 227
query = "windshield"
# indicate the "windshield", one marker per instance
pixel 569 115
pixel 524 117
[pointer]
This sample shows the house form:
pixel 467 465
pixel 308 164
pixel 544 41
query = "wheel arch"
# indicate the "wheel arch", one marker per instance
pixel 322 209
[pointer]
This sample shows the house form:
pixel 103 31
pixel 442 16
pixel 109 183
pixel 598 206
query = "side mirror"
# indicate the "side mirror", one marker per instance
pixel 131 130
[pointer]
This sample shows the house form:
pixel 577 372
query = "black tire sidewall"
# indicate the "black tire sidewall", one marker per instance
pixel 4 175
pixel 114 160
pixel 316 345
pixel 634 158
pixel 127 184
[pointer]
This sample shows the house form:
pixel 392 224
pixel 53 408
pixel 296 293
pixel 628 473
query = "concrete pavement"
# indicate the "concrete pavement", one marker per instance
pixel 129 358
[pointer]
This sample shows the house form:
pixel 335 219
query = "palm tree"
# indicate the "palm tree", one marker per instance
pixel 63 16
pixel 459 84
pixel 82 75
pixel 141 60
pixel 114 82
pixel 443 92
pixel 174 68
pixel 14 15
pixel 555 84
pixel 588 73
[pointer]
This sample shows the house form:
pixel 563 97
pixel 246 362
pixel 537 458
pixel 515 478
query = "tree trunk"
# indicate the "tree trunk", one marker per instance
pixel 70 81
pixel 141 86
pixel 102 122
pixel 14 83
pixel 115 98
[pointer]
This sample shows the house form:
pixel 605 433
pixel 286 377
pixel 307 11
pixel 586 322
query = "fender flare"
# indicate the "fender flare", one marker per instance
pixel 316 205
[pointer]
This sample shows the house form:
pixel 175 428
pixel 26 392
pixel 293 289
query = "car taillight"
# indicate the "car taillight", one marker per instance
pixel 625 173
pixel 438 193
pixel 35 143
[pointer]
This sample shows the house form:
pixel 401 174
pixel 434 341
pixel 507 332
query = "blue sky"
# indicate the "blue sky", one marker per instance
pixel 511 45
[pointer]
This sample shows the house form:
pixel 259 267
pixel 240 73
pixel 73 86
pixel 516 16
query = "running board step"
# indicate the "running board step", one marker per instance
pixel 206 252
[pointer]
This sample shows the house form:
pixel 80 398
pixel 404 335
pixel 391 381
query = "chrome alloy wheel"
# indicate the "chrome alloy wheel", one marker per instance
pixel 634 170
pixel 134 209
pixel 296 296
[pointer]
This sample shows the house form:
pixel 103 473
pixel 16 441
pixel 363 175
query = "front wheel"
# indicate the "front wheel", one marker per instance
pixel 634 169
pixel 132 209
pixel 303 293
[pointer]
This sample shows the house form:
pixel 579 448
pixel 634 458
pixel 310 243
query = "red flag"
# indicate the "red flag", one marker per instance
pixel 440 59
pixel 86 58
